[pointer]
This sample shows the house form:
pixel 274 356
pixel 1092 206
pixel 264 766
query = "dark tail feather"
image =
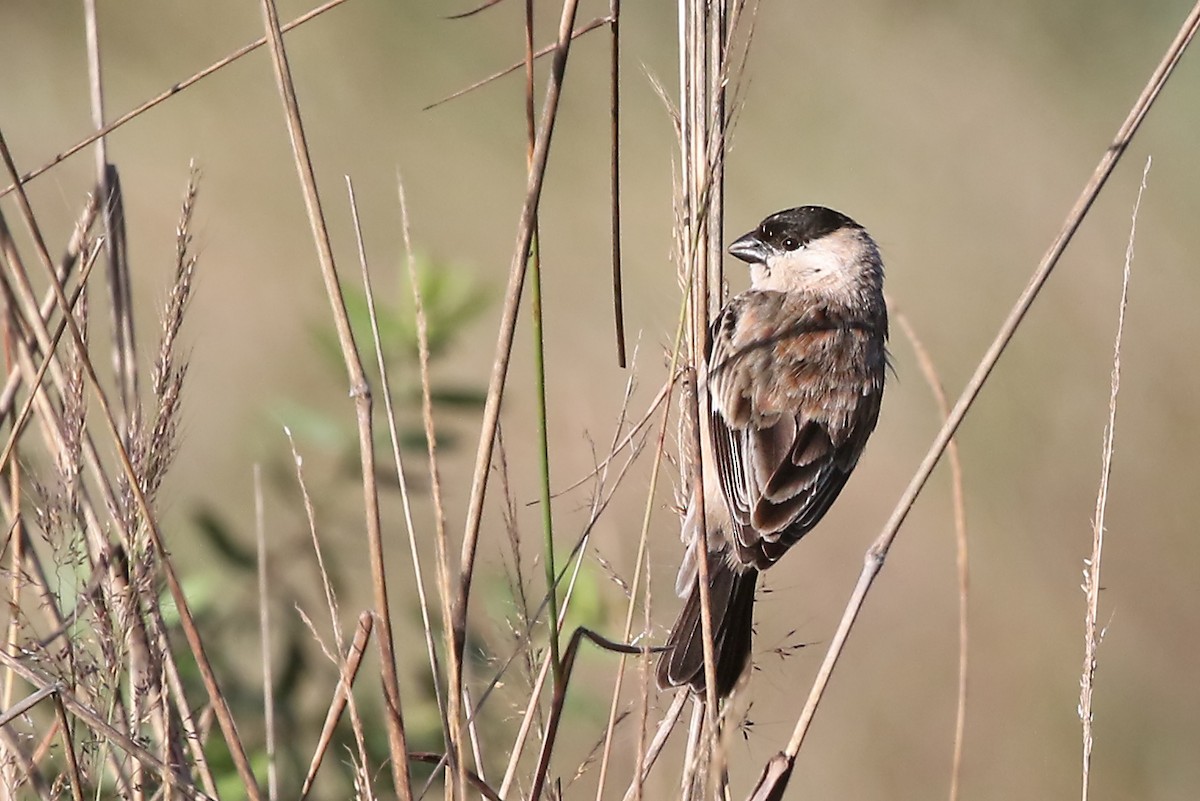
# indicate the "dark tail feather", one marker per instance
pixel 731 597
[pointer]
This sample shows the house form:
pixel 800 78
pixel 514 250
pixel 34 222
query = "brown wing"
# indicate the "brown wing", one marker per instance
pixel 790 408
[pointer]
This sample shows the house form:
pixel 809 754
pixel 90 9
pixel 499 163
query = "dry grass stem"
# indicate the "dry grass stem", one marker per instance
pixel 499 377
pixel 473 779
pixel 27 703
pixel 112 199
pixel 599 504
pixel 559 698
pixel 697 497
pixel 1092 634
pixel 175 89
pixel 704 73
pixel 642 759
pixel 962 562
pixel 693 753
pixel 667 725
pixel 348 670
pixel 264 624
pixel 80 244
pixel 186 620
pixel 397 459
pixel 361 393
pixel 472 12
pixel 508 319
pixel 625 441
pixel 614 161
pixel 35 384
pixel 454 713
pixel 776 773
pixel 97 722
pixel 343 695
pixel 545 51
pixel 64 727
pixel 530 715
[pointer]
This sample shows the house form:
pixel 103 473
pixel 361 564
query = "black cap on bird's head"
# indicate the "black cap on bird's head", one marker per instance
pixel 788 230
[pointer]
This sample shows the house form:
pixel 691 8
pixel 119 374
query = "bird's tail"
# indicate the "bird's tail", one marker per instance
pixel 731 598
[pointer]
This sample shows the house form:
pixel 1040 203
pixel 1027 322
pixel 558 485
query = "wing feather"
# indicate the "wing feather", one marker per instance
pixel 782 457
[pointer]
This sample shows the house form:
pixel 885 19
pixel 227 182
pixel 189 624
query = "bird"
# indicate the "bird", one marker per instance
pixel 789 390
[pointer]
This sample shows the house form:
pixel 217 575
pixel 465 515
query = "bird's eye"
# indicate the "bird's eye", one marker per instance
pixel 791 243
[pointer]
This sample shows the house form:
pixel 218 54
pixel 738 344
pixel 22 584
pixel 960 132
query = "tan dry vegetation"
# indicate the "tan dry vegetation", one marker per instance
pixel 958 133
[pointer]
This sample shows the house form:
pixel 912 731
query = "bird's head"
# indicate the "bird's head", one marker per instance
pixel 813 249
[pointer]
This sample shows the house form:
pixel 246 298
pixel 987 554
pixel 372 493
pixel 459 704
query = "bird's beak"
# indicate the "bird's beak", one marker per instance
pixel 750 249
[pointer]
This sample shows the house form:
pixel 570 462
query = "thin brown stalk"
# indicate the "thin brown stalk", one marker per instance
pixel 454 711
pixel 25 764
pixel 693 752
pixel 79 245
pixel 539 682
pixel 16 538
pixel 669 720
pixel 640 559
pixel 1091 574
pixel 191 728
pixel 359 390
pixel 362 783
pixel 96 90
pixel 186 620
pixel 42 750
pixel 655 466
pixel 348 672
pixel 113 203
pixel 516 65
pixel 169 93
pixel 474 779
pixel 702 31
pixel 530 620
pixel 496 384
pixel 710 668
pixel 778 770
pixel 98 546
pixel 962 563
pixel 717 32
pixel 22 416
pixel 477 9
pixel 614 106
pixel 473 733
pixel 599 505
pixel 393 436
pixel 625 441
pixel 643 757
pixel 98 724
pixel 264 625
pixel 610 726
pixel 27 703
pixel 64 726
pixel 560 694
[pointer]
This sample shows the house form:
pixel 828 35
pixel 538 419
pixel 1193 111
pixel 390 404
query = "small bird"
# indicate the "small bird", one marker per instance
pixel 789 391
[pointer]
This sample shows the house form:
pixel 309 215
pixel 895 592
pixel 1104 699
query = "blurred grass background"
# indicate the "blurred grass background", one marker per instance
pixel 958 133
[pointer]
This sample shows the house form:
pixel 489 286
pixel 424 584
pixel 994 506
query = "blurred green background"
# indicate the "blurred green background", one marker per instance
pixel 958 133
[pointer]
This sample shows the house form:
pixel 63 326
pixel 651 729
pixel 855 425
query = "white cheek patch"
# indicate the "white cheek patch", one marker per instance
pixel 830 264
pixel 819 258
